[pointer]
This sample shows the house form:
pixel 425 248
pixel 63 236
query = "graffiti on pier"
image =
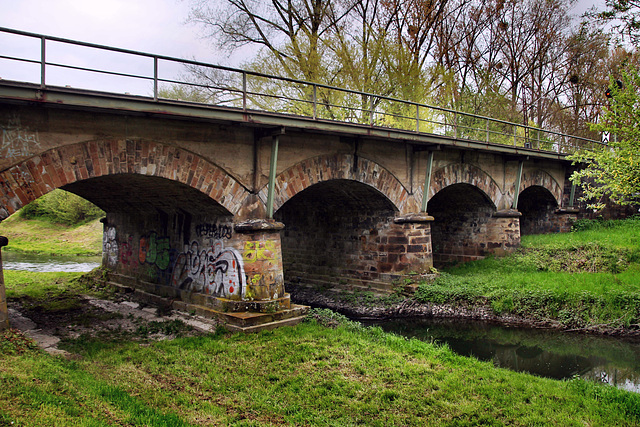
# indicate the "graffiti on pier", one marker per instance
pixel 16 140
pixel 154 250
pixel 110 246
pixel 126 251
pixel 214 270
pixel 214 231
pixel 264 250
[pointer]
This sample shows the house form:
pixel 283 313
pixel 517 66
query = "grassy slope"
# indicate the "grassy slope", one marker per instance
pixel 582 279
pixel 41 236
pixel 307 375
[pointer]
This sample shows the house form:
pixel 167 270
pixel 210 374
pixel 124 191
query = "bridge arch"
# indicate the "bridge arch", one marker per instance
pixel 340 167
pixel 88 161
pixel 540 178
pixel 463 173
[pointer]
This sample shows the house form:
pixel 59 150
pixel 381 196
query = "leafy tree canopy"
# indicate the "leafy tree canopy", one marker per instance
pixel 614 170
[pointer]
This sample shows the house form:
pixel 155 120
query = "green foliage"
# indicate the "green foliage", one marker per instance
pixel 329 318
pixel 581 279
pixel 614 170
pixel 12 341
pixel 62 207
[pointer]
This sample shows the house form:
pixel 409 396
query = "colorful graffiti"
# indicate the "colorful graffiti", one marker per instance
pixel 154 250
pixel 264 250
pixel 215 270
pixel 110 246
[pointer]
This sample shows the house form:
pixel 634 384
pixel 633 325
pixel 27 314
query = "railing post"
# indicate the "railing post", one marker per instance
pixel 244 91
pixel 487 126
pixel 455 125
pixel 515 135
pixel 315 101
pixel 43 61
pixel 417 118
pixel 371 111
pixel 155 78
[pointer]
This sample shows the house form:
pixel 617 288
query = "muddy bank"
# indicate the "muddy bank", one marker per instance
pixel 406 306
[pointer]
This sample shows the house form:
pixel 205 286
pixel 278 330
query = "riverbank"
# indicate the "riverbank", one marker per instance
pixel 41 236
pixel 587 280
pixel 326 371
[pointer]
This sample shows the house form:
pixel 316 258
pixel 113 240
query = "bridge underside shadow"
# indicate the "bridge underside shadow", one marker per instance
pixel 468 227
pixel 342 232
pixel 166 239
pixel 538 208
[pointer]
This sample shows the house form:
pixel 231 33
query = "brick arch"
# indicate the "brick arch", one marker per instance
pixel 462 173
pixel 340 166
pixel 543 179
pixel 40 174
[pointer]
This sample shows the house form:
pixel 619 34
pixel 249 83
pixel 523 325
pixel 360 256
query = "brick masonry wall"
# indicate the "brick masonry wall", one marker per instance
pixel 344 246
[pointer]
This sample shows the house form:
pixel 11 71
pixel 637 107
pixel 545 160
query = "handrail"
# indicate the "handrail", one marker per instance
pixel 252 95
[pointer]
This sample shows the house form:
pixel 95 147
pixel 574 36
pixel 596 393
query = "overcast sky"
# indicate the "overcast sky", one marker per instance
pixel 153 26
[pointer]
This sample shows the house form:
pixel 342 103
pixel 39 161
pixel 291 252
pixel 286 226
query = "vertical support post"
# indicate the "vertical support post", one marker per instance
pixel 315 102
pixel 272 175
pixel 43 61
pixel 371 111
pixel 155 78
pixel 572 195
pixel 455 125
pixel 515 135
pixel 487 126
pixel 418 118
pixel 518 180
pixel 244 91
pixel 4 312
pixel 427 182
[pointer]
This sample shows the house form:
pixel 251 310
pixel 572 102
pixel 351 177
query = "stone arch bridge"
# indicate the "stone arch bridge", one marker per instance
pixel 219 209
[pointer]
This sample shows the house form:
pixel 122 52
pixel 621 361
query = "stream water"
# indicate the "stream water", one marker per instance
pixel 44 263
pixel 546 353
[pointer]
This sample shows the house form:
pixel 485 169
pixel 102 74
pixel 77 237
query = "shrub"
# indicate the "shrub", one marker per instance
pixel 61 207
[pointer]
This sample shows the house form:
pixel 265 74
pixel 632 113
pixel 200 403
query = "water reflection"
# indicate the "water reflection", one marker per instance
pixel 44 263
pixel 546 353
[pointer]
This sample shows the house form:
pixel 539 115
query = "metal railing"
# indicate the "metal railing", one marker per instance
pixel 163 78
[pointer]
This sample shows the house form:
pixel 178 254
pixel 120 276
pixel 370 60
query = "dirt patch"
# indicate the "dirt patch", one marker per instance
pixel 122 317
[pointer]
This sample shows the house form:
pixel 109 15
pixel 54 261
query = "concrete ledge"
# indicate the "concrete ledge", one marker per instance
pixel 253 225
pixel 561 211
pixel 507 213
pixel 413 218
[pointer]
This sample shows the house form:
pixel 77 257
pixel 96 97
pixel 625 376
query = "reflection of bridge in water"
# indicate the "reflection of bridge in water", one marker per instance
pixel 290 180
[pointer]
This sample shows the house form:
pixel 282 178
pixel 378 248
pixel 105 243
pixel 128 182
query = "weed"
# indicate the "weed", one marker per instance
pixel 12 341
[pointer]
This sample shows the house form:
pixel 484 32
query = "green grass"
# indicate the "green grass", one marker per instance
pixel 588 278
pixel 304 375
pixel 40 236
pixel 51 291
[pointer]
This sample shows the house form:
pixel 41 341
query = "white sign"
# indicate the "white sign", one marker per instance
pixel 605 137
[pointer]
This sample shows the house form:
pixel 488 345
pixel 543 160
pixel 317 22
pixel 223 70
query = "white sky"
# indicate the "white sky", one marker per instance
pixel 152 26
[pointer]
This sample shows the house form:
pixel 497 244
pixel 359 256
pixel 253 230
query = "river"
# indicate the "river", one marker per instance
pixel 44 263
pixel 547 353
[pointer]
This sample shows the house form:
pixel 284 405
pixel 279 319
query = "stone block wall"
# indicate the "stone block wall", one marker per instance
pixel 343 247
